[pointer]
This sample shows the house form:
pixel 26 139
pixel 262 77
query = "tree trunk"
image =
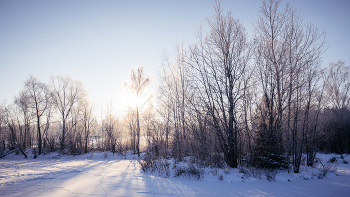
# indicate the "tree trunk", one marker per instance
pixel 39 133
pixel 138 132
pixel 63 134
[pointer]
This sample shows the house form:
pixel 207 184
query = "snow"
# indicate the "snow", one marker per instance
pixel 105 174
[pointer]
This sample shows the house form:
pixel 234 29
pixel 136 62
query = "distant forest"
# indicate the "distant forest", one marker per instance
pixel 265 100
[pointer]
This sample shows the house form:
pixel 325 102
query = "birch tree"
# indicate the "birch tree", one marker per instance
pixel 66 93
pixel 219 61
pixel 40 101
pixel 288 57
pixel 137 84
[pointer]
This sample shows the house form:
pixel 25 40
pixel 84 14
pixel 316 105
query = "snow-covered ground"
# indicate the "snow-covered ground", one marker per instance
pixel 104 174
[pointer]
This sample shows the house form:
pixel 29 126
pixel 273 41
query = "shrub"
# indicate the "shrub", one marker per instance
pixel 241 170
pixel 105 154
pixel 35 153
pixel 252 172
pixel 303 160
pixel 270 161
pixel 256 173
pixel 147 163
pixel 178 170
pixel 227 171
pixel 316 162
pixel 270 175
pixel 45 151
pixel 216 161
pixel 246 173
pixel 332 160
pixel 152 164
pixel 190 171
pixel 162 166
pixel 90 157
pixel 325 169
pixel 214 171
pixel 193 171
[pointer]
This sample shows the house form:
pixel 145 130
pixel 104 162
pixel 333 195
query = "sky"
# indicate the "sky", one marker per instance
pixel 99 42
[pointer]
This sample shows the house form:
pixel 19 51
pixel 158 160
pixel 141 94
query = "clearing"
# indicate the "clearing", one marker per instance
pixel 104 174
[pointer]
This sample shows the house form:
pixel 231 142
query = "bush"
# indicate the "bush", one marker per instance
pixel 35 153
pixel 270 161
pixel 162 166
pixel 146 163
pixel 105 154
pixel 179 170
pixel 227 171
pixel 252 172
pixel 332 160
pixel 214 171
pixel 316 162
pixel 246 173
pixel 345 162
pixel 270 175
pixel 325 169
pixel 216 161
pixel 152 164
pixel 193 171
pixel 190 171
pixel 242 170
pixel 45 151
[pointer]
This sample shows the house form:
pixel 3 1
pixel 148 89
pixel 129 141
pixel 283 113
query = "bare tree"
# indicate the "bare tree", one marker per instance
pixel 173 100
pixel 74 129
pixel 130 122
pixel 16 119
pixel 24 119
pixel 338 85
pixel 337 113
pixel 88 119
pixel 165 106
pixel 288 57
pixel 137 86
pixel 66 93
pixel 111 126
pixel 39 99
pixel 2 130
pixel 219 62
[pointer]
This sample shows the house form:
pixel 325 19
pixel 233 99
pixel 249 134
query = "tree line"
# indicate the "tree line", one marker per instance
pixel 264 100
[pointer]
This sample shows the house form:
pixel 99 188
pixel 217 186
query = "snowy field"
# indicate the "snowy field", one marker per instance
pixel 104 174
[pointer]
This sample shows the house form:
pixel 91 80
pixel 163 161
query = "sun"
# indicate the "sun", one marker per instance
pixel 128 99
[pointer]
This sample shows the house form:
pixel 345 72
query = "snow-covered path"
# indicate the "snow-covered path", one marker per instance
pixel 122 177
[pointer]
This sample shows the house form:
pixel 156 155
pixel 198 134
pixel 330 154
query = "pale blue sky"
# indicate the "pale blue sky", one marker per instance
pixel 98 42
